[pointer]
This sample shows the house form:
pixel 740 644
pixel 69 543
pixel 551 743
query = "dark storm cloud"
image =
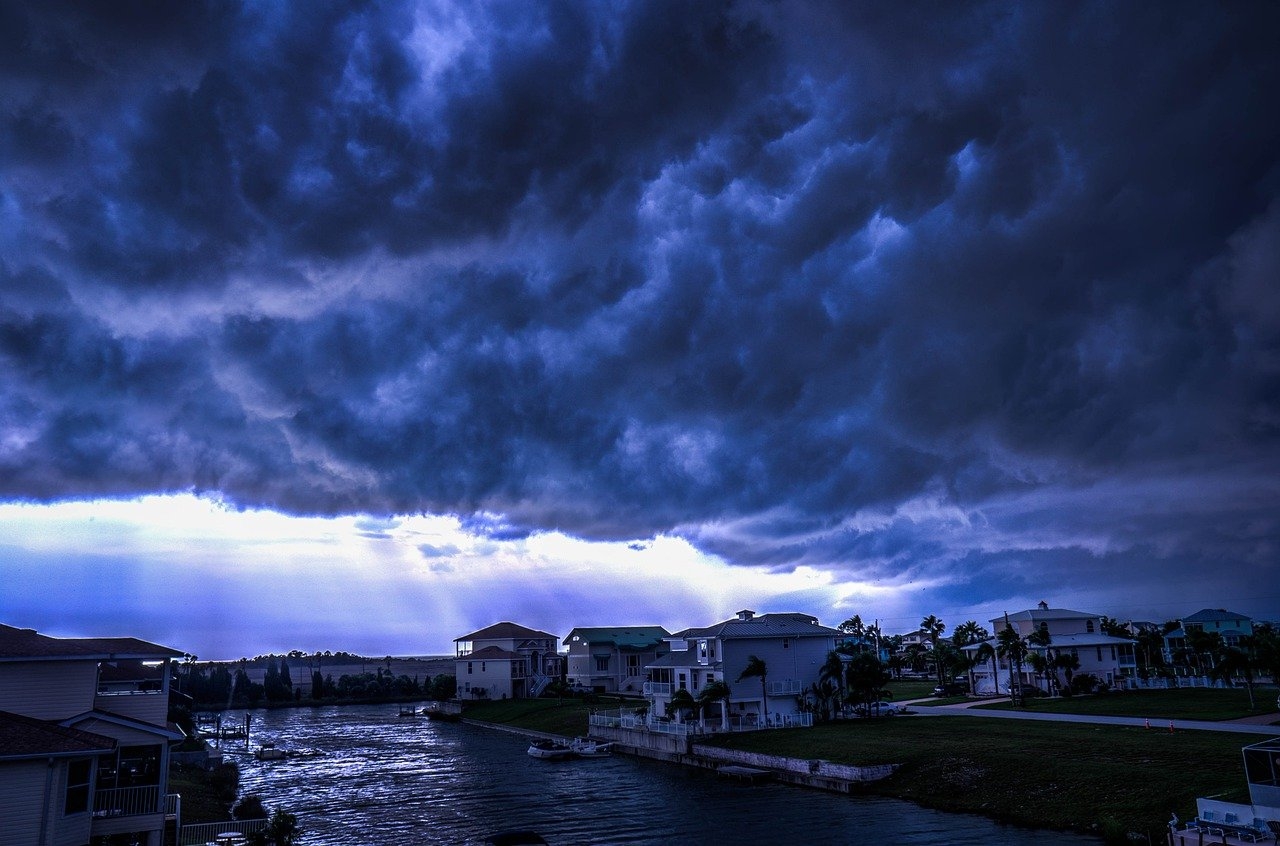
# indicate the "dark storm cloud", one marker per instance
pixel 847 286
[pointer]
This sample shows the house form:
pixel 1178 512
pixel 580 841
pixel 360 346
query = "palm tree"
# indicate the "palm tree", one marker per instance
pixel 985 651
pixel 756 668
pixel 854 627
pixel 1041 638
pixel 713 692
pixel 1014 648
pixel 866 678
pixel 681 701
pixel 969 632
pixel 933 628
pixel 832 673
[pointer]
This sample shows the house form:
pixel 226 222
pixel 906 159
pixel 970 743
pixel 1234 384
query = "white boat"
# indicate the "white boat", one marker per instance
pixel 269 752
pixel 585 747
pixel 550 750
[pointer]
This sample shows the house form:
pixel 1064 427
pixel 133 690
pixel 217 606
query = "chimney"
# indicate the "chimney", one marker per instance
pixel 746 615
pixel 1044 606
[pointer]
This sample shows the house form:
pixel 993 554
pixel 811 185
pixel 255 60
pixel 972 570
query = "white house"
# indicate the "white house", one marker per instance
pixel 84 739
pixel 609 660
pixel 1075 633
pixel 506 661
pixel 792 646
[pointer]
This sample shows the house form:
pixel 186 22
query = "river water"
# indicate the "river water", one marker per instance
pixel 372 777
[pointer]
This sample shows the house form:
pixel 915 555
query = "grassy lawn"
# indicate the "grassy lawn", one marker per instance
pixel 1188 704
pixel 941 700
pixel 911 688
pixel 1104 780
pixel 567 718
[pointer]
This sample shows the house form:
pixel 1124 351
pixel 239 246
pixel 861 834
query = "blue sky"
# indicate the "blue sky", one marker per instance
pixel 360 326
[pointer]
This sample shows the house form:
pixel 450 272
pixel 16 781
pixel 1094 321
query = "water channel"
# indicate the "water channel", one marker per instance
pixel 376 778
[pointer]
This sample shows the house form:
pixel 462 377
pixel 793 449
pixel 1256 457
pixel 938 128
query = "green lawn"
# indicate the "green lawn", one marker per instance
pixel 1105 780
pixel 911 688
pixel 1186 704
pixel 567 718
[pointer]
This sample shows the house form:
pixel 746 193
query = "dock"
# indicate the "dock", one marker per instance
pixel 750 775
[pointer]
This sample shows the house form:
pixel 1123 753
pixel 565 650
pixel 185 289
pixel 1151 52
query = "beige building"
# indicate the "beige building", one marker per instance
pixel 506 661
pixel 84 739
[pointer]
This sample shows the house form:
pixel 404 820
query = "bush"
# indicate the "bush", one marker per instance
pixel 250 808
pixel 1084 683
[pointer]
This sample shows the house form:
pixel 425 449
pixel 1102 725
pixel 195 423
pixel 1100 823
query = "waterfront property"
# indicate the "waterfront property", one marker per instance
pixel 791 648
pixel 612 660
pixel 1235 822
pixel 506 661
pixel 84 739
pixel 1229 626
pixel 1062 634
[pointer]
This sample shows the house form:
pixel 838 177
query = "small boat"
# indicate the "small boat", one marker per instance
pixel 550 750
pixel 585 747
pixel 442 711
pixel 408 711
pixel 269 752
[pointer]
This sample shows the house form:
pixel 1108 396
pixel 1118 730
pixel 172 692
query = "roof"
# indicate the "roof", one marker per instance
pixel 492 653
pixel 626 637
pixel 1038 614
pixel 687 658
pixel 25 737
pixel 504 631
pixel 25 644
pixel 1066 641
pixel 763 626
pixel 1209 615
pixel 169 730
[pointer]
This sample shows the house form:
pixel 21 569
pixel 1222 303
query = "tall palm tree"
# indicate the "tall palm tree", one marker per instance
pixel 832 671
pixel 756 668
pixel 1014 648
pixel 985 651
pixel 711 693
pixel 1041 638
pixel 855 627
pixel 681 701
pixel 933 628
pixel 969 632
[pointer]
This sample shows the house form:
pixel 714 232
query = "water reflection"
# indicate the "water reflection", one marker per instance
pixel 382 779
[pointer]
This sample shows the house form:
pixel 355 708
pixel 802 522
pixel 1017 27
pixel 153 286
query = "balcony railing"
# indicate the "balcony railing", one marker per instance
pixel 657 688
pixel 127 801
pixel 784 687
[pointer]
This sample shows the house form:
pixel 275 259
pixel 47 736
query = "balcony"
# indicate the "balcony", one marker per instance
pixel 127 801
pixel 784 687
pixel 657 688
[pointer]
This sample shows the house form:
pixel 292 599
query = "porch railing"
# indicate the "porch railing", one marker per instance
pixel 126 801
pixel 199 834
pixel 784 687
pixel 657 688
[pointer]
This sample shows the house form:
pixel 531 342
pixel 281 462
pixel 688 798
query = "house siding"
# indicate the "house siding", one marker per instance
pixel 22 786
pixel 48 690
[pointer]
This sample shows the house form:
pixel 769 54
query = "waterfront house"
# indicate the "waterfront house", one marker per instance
pixel 84 739
pixel 1229 626
pixel 792 646
pixel 612 660
pixel 1075 633
pixel 506 661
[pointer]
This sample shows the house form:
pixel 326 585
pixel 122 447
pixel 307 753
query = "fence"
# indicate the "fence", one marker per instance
pixel 199 834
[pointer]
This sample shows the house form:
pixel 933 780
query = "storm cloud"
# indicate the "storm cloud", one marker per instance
pixel 976 295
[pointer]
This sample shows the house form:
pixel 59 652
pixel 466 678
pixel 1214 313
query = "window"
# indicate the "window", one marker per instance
pixel 77 801
pixel 468 668
pixel 1113 653
pixel 702 650
pixel 602 665
pixel 482 666
pixel 786 644
pixel 1099 653
pixel 683 683
pixel 1088 626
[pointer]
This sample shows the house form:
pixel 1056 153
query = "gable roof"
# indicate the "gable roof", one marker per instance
pixel 26 737
pixel 1038 614
pixel 763 626
pixel 25 644
pixel 1209 615
pixel 170 731
pixel 626 637
pixel 504 631
pixel 491 653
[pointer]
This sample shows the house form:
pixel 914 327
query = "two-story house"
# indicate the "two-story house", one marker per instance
pixel 1229 626
pixel 612 660
pixel 1075 633
pixel 84 739
pixel 506 661
pixel 792 646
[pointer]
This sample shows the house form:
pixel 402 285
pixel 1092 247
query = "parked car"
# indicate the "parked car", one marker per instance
pixel 878 709
pixel 951 689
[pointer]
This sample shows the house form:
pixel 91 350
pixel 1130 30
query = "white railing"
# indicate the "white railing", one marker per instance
pixel 657 688
pixel 199 834
pixel 625 720
pixel 126 801
pixel 784 687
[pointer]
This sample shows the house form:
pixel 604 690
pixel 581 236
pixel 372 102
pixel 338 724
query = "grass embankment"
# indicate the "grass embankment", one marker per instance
pixel 207 796
pixel 1188 704
pixel 1106 780
pixel 567 718
pixel 903 689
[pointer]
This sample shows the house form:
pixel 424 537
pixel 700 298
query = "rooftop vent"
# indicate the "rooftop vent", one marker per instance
pixel 1044 606
pixel 746 615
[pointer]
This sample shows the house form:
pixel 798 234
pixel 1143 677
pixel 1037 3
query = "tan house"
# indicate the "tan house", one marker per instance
pixel 612 659
pixel 84 739
pixel 506 661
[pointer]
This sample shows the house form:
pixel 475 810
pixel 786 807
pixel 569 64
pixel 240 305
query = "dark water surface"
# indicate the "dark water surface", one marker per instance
pixel 377 778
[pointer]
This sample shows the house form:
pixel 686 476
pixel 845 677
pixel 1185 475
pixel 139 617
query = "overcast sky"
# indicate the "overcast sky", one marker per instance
pixel 361 326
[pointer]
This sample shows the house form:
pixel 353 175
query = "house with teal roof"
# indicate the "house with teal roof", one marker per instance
pixel 1227 625
pixel 611 659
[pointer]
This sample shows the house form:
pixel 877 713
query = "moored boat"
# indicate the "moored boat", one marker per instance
pixel 586 747
pixel 550 750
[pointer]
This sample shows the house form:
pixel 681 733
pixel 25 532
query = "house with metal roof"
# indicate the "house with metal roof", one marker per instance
pixel 1077 634
pixel 506 661
pixel 612 659
pixel 84 738
pixel 792 646
pixel 1227 625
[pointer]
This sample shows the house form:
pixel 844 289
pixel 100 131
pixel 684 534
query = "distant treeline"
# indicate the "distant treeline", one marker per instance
pixel 217 685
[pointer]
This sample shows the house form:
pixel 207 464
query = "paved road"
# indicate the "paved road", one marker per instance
pixel 967 710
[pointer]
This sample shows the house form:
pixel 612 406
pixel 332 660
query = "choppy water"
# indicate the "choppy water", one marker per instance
pixel 382 779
